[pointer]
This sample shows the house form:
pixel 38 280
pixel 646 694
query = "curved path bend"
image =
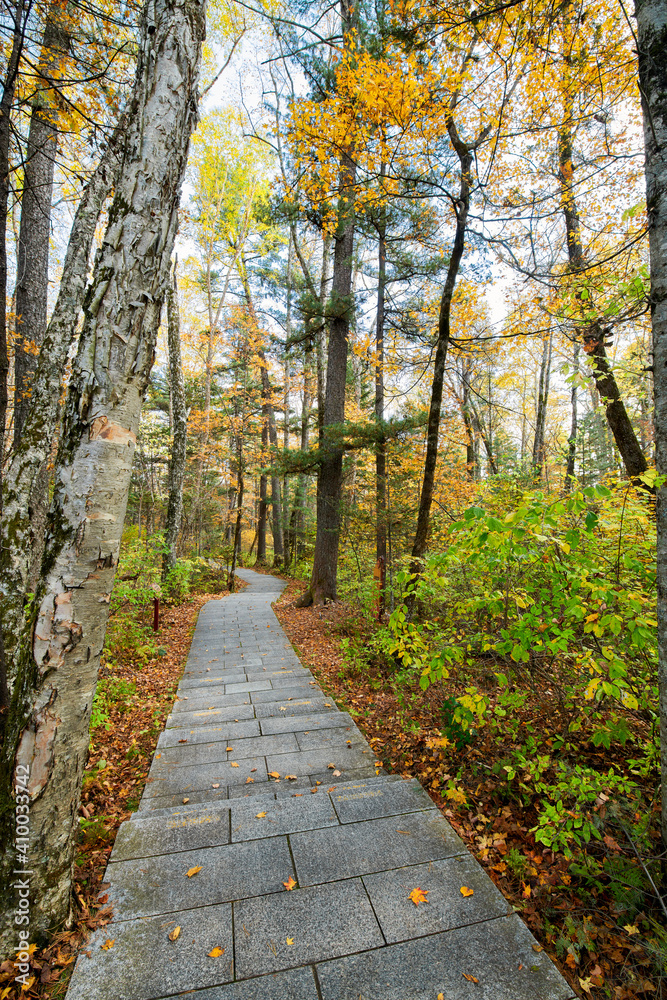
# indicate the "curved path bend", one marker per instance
pixel 260 783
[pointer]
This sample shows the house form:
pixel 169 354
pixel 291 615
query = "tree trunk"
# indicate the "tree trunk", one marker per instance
pixel 329 486
pixel 574 426
pixel 381 445
pixel 617 415
pixel 619 421
pixel 539 451
pixel 32 453
pixel 465 155
pixel 320 336
pixel 180 425
pixel 58 655
pixel 652 47
pixel 261 519
pixel 32 271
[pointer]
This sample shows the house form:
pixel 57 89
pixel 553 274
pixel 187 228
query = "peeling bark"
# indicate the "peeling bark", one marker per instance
pixel 57 671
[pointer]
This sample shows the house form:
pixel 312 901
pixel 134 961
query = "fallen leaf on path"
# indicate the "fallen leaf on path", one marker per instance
pixel 537 947
pixel 216 952
pixel 185 801
pixel 291 777
pixel 234 764
pixel 471 979
pixel 193 871
pixel 216 785
pixel 174 934
pixel 182 741
pixel 331 767
pixel 249 781
pixel 274 774
pixel 465 891
pixel 418 896
pixel 337 774
pixel 290 940
pixel 107 944
pixel 229 748
pixel 252 769
pixel 260 815
pixel 289 884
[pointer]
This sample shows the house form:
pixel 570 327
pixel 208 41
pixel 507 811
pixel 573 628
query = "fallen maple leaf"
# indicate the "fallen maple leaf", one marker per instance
pixel 107 944
pixel 193 871
pixel 465 891
pixel 216 952
pixel 331 766
pixel 234 764
pixel 571 960
pixel 471 979
pixel 260 815
pixel 274 774
pixel 585 984
pixel 185 801
pixel 290 777
pixel 630 929
pixel 526 890
pixel 289 884
pixel 418 896
pixel 174 934
pixel 289 940
pixel 249 781
pixel 537 947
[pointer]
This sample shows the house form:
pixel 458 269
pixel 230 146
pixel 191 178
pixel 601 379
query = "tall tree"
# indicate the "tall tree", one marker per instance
pixel 180 424
pixel 58 653
pixel 652 50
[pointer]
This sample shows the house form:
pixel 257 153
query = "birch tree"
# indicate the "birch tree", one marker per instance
pixel 57 656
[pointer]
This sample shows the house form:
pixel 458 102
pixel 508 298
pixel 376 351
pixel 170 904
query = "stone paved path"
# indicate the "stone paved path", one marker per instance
pixel 356 842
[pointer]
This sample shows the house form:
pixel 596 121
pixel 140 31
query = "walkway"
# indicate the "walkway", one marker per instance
pixel 259 783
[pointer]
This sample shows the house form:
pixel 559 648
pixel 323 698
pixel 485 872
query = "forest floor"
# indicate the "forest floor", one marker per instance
pixel 596 945
pixel 143 690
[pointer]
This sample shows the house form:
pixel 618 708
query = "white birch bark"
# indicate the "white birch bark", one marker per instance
pixel 50 712
pixel 180 423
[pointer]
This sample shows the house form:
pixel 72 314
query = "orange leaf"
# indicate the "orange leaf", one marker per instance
pixel 174 934
pixel 193 871
pixel 418 896
pixel 289 884
pixel 107 944
pixel 465 891
pixel 216 952
pixel 260 815
pixel 274 774
pixel 234 764
pixel 471 979
pixel 249 781
pixel 571 961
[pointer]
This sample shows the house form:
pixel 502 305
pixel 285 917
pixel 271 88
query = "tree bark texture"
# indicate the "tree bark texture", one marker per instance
pixel 30 457
pixel 329 486
pixel 58 657
pixel 32 272
pixel 381 447
pixel 180 431
pixel 574 425
pixel 652 47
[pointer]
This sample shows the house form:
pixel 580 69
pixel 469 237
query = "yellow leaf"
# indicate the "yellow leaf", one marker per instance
pixel 216 952
pixel 185 801
pixel 193 871
pixel 290 777
pixel 441 996
pixel 260 815
pixel 471 979
pixel 28 986
pixel 418 896
pixel 274 774
pixel 249 781
pixel 7 990
pixel 229 748
pixel 537 947
pixel 107 944
pixel 174 934
pixel 465 891
pixel 289 884
pixel 234 764
pixel 290 940
pixel 630 929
